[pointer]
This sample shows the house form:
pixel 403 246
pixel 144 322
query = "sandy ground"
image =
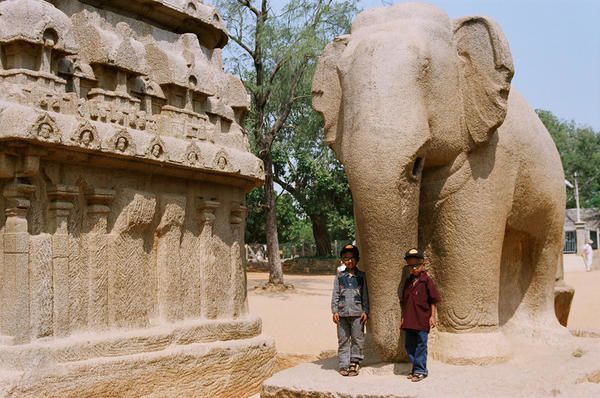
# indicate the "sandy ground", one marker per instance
pixel 301 323
pixel 585 309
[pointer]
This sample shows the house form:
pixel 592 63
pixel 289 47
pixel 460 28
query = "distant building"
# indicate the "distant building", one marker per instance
pixel 591 219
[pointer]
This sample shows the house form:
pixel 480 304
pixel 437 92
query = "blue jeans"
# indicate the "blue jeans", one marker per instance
pixel 416 348
pixel 351 339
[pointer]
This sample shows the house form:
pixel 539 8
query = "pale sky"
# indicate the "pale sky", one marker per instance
pixel 555 47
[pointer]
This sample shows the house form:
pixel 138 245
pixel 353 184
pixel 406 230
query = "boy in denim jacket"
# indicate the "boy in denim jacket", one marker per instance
pixel 350 308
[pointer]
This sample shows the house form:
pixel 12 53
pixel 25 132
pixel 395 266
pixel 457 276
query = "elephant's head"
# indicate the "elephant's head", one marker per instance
pixel 406 94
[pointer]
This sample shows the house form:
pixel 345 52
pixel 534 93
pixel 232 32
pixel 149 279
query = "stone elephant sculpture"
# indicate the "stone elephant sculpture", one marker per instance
pixel 440 152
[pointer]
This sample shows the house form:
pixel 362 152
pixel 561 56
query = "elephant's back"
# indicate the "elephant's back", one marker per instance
pixel 523 126
pixel 540 176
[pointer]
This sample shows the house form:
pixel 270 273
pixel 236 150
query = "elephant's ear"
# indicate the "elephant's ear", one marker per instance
pixel 486 71
pixel 326 88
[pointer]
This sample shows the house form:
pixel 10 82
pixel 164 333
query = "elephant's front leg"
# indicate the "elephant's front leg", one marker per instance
pixel 464 236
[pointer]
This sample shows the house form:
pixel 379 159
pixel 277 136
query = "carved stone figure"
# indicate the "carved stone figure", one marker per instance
pixel 86 137
pixel 442 153
pixel 45 130
pixel 121 144
pixel 192 157
pixel 156 150
pixel 120 251
pixel 222 162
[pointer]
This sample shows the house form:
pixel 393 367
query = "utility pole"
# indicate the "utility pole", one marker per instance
pixel 579 225
pixel 577 197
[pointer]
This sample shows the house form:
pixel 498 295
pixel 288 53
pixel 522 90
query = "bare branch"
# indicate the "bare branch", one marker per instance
pixel 278 67
pixel 286 107
pixel 288 187
pixel 247 4
pixel 239 42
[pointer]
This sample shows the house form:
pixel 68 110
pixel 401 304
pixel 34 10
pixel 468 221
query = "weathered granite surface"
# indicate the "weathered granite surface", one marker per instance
pixel 441 152
pixel 123 172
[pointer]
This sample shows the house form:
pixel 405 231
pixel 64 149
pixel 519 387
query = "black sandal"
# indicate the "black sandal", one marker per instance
pixel 343 372
pixel 353 370
pixel 418 377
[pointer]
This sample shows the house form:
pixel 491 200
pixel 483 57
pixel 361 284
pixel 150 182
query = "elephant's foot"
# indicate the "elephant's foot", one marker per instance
pixel 538 329
pixel 470 348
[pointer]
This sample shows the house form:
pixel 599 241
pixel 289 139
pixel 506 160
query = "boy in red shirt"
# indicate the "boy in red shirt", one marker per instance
pixel 419 297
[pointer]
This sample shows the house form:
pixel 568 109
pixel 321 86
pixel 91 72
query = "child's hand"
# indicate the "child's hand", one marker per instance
pixel 363 318
pixel 336 318
pixel 432 321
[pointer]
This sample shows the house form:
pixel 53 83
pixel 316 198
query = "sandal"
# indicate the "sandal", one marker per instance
pixel 353 370
pixel 410 375
pixel 343 372
pixel 418 377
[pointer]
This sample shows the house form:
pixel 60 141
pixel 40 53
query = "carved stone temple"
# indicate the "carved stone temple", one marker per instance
pixel 123 172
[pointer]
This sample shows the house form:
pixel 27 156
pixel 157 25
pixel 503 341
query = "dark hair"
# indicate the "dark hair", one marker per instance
pixel 350 248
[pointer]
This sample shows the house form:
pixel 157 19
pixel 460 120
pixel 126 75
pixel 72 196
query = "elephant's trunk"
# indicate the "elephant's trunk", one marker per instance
pixel 386 217
pixel 381 118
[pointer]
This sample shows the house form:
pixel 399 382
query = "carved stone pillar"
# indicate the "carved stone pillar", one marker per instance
pixel 121 81
pixel 46 59
pixel 15 275
pixel 581 236
pixel 61 203
pixel 238 259
pixel 7 164
pixel 96 226
pixel 189 100
pixel 210 292
pixel 172 269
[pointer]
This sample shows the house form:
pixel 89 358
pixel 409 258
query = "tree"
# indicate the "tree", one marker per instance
pixel 307 169
pixel 294 225
pixel 579 149
pixel 273 54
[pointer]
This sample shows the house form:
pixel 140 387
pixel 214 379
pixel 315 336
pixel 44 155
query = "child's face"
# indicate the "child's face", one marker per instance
pixel 415 265
pixel 349 260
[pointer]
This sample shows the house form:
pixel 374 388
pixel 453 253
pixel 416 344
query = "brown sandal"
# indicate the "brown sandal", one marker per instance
pixel 353 370
pixel 418 377
pixel 343 372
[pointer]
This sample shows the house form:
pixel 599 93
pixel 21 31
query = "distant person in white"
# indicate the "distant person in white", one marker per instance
pixel 588 255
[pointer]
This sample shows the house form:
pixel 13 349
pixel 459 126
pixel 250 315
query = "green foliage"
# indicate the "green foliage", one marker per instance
pixel 293 226
pixel 579 148
pixel 275 56
pixel 307 168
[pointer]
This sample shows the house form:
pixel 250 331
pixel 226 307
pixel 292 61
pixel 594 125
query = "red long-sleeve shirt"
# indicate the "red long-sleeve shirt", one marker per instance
pixel 416 302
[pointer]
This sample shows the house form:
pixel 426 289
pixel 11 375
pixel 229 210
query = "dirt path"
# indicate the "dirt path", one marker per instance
pixel 300 321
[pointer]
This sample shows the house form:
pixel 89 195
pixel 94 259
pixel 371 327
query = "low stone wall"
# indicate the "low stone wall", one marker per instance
pixel 301 266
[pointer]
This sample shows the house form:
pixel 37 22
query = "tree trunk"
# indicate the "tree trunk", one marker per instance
pixel 320 233
pixel 275 269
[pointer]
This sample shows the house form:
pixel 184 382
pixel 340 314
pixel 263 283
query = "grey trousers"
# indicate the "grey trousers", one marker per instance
pixel 351 340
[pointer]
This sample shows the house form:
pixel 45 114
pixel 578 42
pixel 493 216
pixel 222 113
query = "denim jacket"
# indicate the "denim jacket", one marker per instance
pixel 350 296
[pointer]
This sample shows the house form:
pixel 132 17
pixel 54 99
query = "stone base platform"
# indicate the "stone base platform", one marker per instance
pixel 569 370
pixel 173 363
